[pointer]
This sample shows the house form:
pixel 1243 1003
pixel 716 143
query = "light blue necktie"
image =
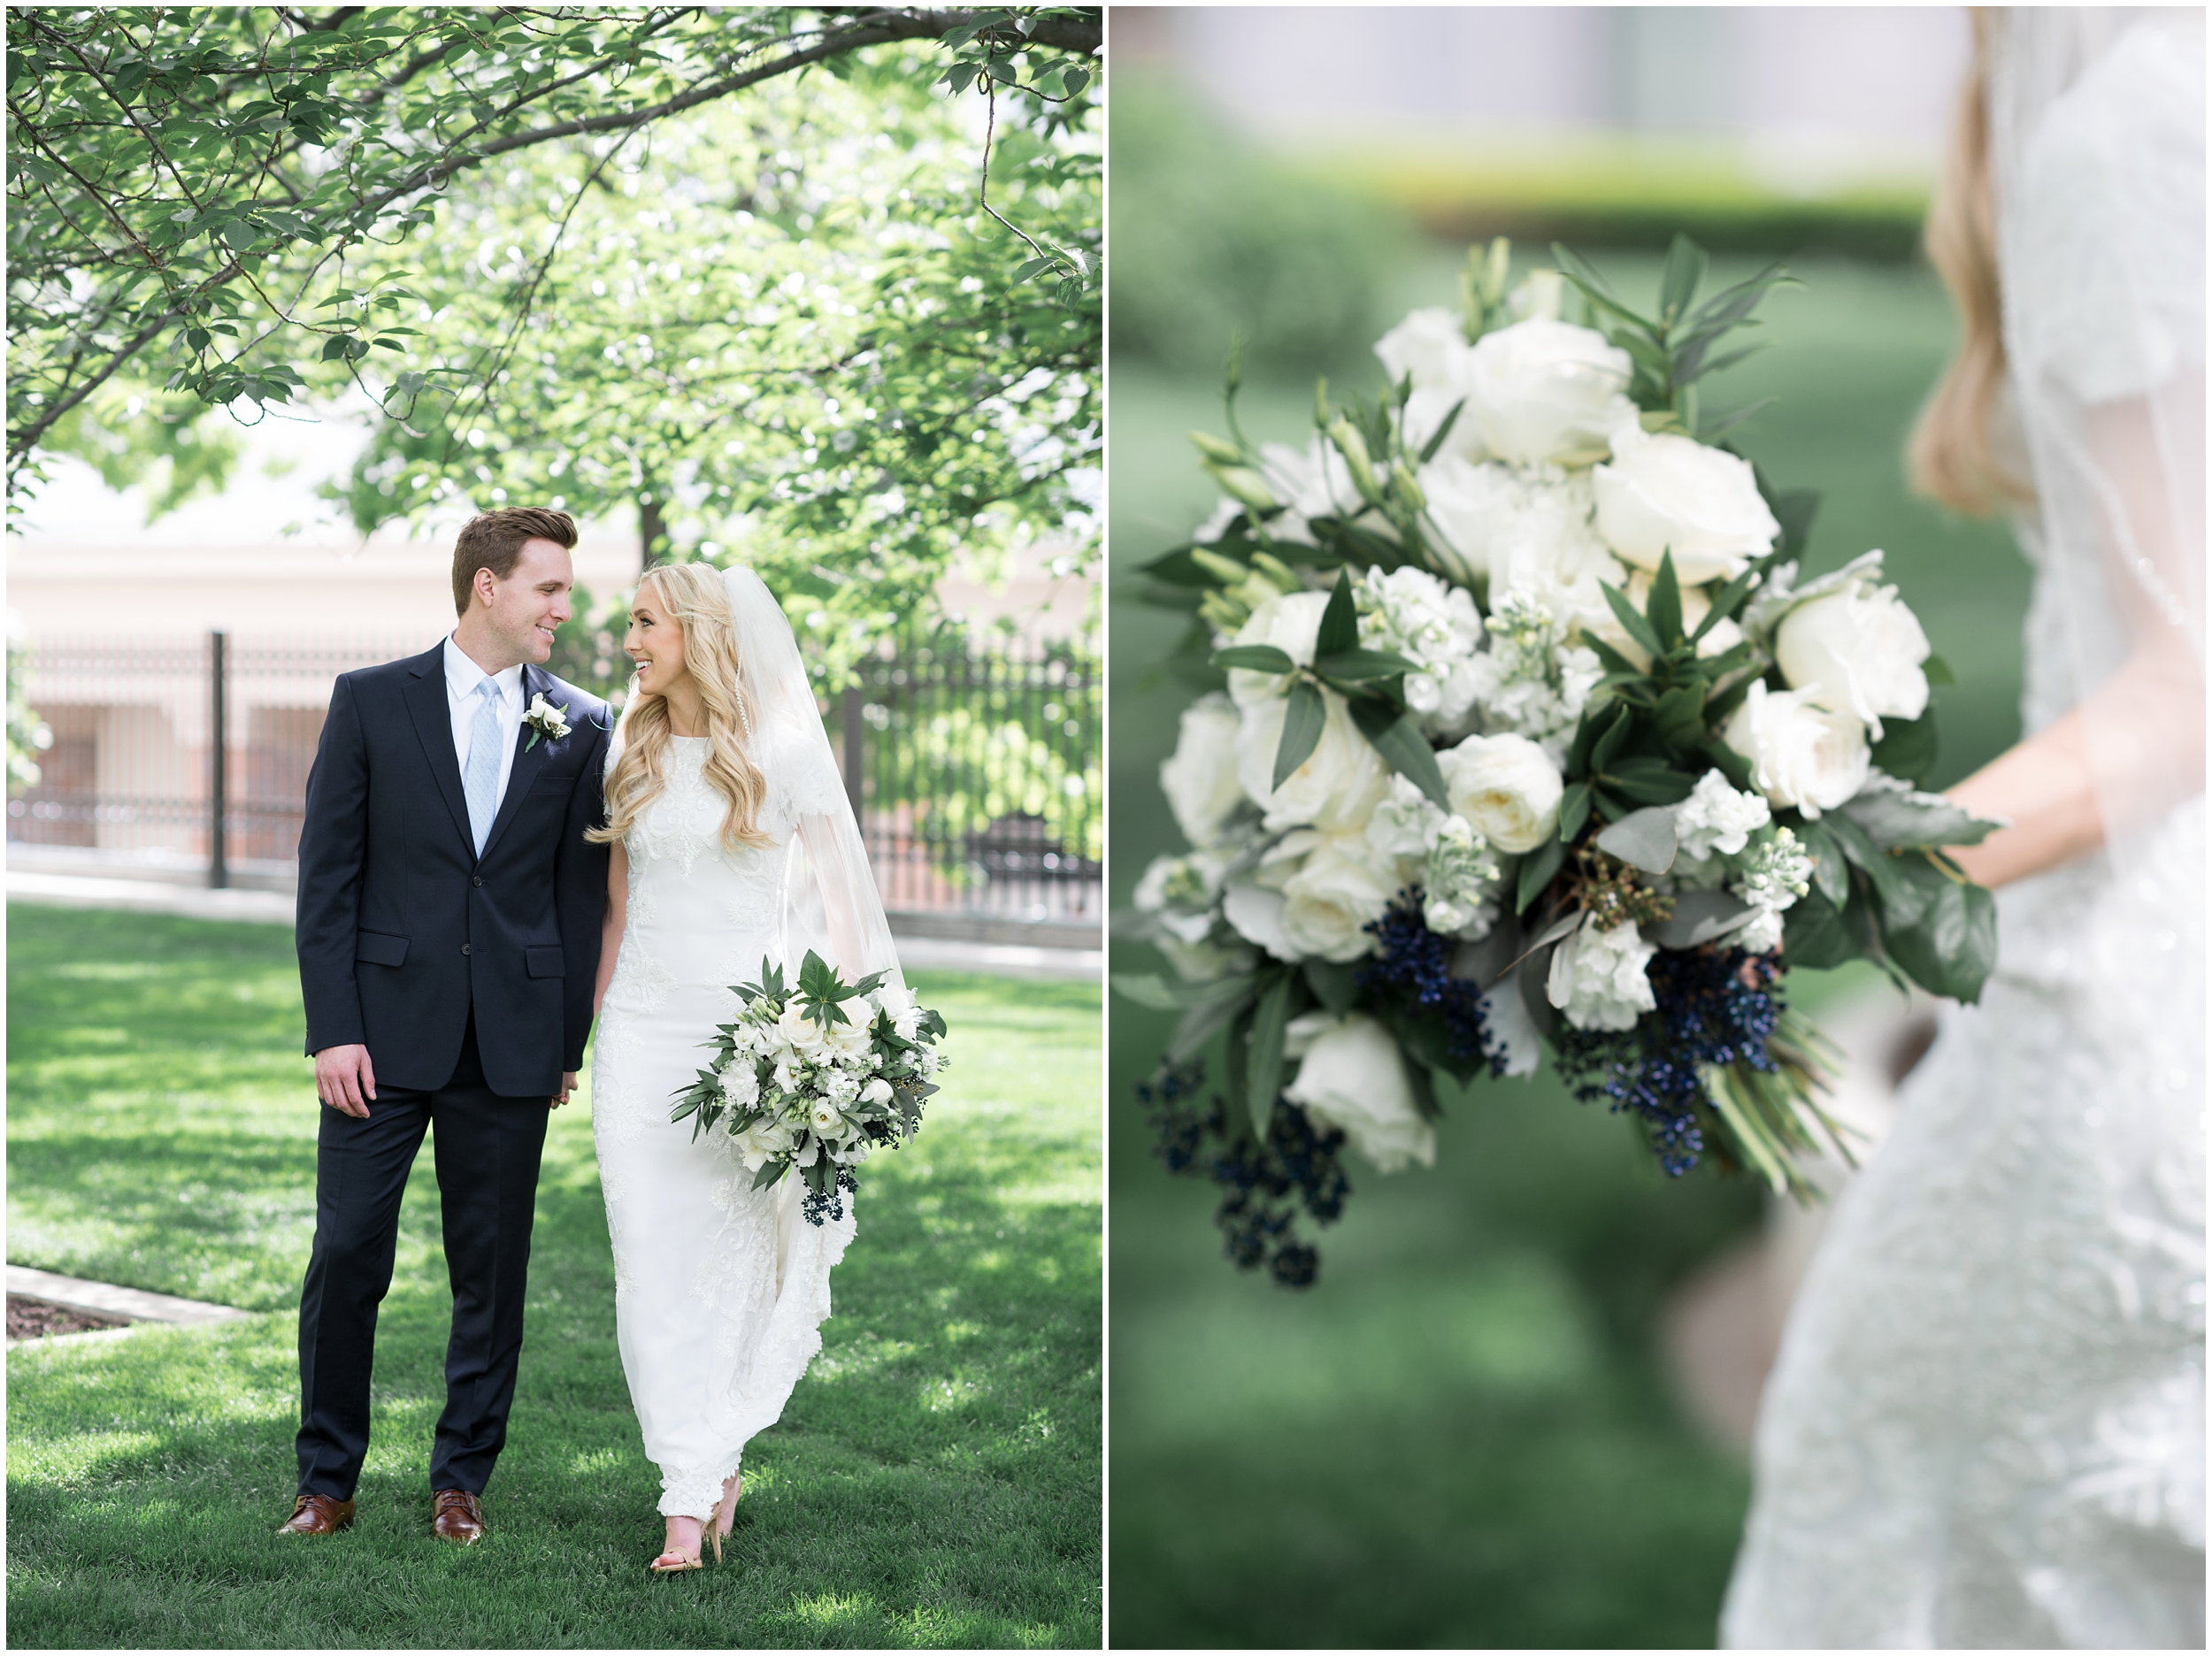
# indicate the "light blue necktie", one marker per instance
pixel 482 779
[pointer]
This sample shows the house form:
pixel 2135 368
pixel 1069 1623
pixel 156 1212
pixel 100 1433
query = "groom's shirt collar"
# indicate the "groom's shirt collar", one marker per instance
pixel 462 675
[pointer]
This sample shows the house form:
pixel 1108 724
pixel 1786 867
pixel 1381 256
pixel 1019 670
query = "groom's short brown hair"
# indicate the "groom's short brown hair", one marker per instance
pixel 493 540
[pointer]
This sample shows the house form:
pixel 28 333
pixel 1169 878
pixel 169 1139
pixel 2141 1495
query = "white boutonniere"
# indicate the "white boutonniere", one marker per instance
pixel 545 720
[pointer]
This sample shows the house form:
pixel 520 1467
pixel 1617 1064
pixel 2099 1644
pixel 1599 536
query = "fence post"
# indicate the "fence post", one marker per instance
pixel 856 745
pixel 219 776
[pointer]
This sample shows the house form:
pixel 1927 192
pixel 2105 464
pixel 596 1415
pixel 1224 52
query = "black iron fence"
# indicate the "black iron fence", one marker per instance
pixel 974 765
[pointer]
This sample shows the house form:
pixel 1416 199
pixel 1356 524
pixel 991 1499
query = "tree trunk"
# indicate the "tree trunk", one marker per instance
pixel 652 532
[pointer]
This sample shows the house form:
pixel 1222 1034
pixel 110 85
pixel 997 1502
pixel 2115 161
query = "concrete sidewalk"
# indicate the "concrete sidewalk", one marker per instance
pixel 264 907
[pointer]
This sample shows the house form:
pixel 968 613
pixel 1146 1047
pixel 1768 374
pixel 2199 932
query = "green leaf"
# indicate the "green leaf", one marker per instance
pixel 1574 810
pixel 1649 781
pixel 1948 943
pixel 1609 743
pixel 1405 749
pixel 1304 719
pixel 1643 838
pixel 1815 936
pixel 1332 982
pixel 1686 269
pixel 1795 512
pixel 1632 619
pixel 1832 877
pixel 1679 716
pixel 1264 1075
pixel 1355 666
pixel 1213 1006
pixel 1907 747
pixel 1148 989
pixel 1255 658
pixel 1897 819
pixel 1938 671
pixel 1537 869
pixel 1340 622
pixel 1699 916
pixel 1435 444
pixel 1663 606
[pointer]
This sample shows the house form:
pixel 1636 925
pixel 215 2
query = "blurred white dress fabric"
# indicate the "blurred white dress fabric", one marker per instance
pixel 1986 1427
pixel 720 1289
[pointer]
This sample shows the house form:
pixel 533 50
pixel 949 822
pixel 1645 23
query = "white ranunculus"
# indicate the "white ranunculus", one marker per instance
pixel 1506 786
pixel 1335 789
pixel 1430 344
pixel 825 1121
pixel 801 1033
pixel 1352 1076
pixel 1542 390
pixel 1598 979
pixel 1200 780
pixel 1328 903
pixel 1291 623
pixel 1664 492
pixel 1863 648
pixel 1716 818
pixel 1801 753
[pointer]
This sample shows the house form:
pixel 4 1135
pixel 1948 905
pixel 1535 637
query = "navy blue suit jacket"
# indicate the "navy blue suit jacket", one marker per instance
pixel 403 928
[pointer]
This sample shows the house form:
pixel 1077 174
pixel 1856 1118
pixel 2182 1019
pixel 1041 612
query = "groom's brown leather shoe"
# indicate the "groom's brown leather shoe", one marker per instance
pixel 317 1515
pixel 456 1517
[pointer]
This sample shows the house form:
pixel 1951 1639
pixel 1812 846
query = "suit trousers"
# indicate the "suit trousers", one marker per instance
pixel 488 1149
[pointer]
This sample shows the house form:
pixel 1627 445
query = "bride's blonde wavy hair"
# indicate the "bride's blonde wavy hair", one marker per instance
pixel 1953 454
pixel 693 594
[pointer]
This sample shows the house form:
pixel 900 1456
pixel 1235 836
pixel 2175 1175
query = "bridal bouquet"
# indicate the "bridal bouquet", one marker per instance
pixel 798 1082
pixel 1533 738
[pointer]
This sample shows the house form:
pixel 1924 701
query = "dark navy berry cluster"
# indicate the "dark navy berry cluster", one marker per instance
pixel 1415 968
pixel 1264 1185
pixel 816 1206
pixel 1716 1007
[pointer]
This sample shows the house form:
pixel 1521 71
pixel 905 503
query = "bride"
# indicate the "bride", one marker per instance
pixel 1986 1424
pixel 732 841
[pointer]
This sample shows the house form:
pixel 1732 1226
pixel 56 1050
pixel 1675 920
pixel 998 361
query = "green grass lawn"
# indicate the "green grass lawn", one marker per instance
pixel 934 1481
pixel 1462 1436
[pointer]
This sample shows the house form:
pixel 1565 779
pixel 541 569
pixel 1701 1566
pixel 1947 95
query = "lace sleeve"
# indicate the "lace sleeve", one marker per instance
pixel 801 783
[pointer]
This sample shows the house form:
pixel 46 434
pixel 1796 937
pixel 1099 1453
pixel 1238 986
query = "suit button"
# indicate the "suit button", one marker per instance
pixel 476 879
pixel 465 948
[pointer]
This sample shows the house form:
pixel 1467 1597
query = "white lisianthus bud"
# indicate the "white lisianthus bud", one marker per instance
pixel 1334 790
pixel 1598 978
pixel 1542 390
pixel 1663 492
pixel 1863 648
pixel 1352 1076
pixel 1716 818
pixel 1200 780
pixel 1801 753
pixel 1507 788
pixel 1328 903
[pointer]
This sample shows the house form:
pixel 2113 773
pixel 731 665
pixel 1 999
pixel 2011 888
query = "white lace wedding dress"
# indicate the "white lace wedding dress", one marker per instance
pixel 720 1290
pixel 1986 1428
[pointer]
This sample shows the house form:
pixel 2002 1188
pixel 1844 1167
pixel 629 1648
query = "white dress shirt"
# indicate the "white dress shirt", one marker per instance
pixel 462 675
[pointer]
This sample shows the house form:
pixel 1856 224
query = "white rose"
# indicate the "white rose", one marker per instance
pixel 1863 648
pixel 1200 780
pixel 1598 979
pixel 1352 1076
pixel 760 1140
pixel 1507 788
pixel 877 1091
pixel 825 1120
pixel 1430 344
pixel 850 1042
pixel 1329 902
pixel 1471 505
pixel 1801 753
pixel 1717 817
pixel 1542 390
pixel 799 1032
pixel 1664 492
pixel 1334 790
pixel 1291 623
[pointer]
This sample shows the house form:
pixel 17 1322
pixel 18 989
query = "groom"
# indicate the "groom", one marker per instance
pixel 448 935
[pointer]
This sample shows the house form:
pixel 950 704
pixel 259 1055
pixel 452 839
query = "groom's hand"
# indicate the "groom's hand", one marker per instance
pixel 345 1080
pixel 568 1086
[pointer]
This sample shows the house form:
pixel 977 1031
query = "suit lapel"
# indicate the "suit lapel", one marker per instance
pixel 429 707
pixel 535 682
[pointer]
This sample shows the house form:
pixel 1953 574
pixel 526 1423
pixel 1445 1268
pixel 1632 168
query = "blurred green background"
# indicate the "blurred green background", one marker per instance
pixel 1464 1434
